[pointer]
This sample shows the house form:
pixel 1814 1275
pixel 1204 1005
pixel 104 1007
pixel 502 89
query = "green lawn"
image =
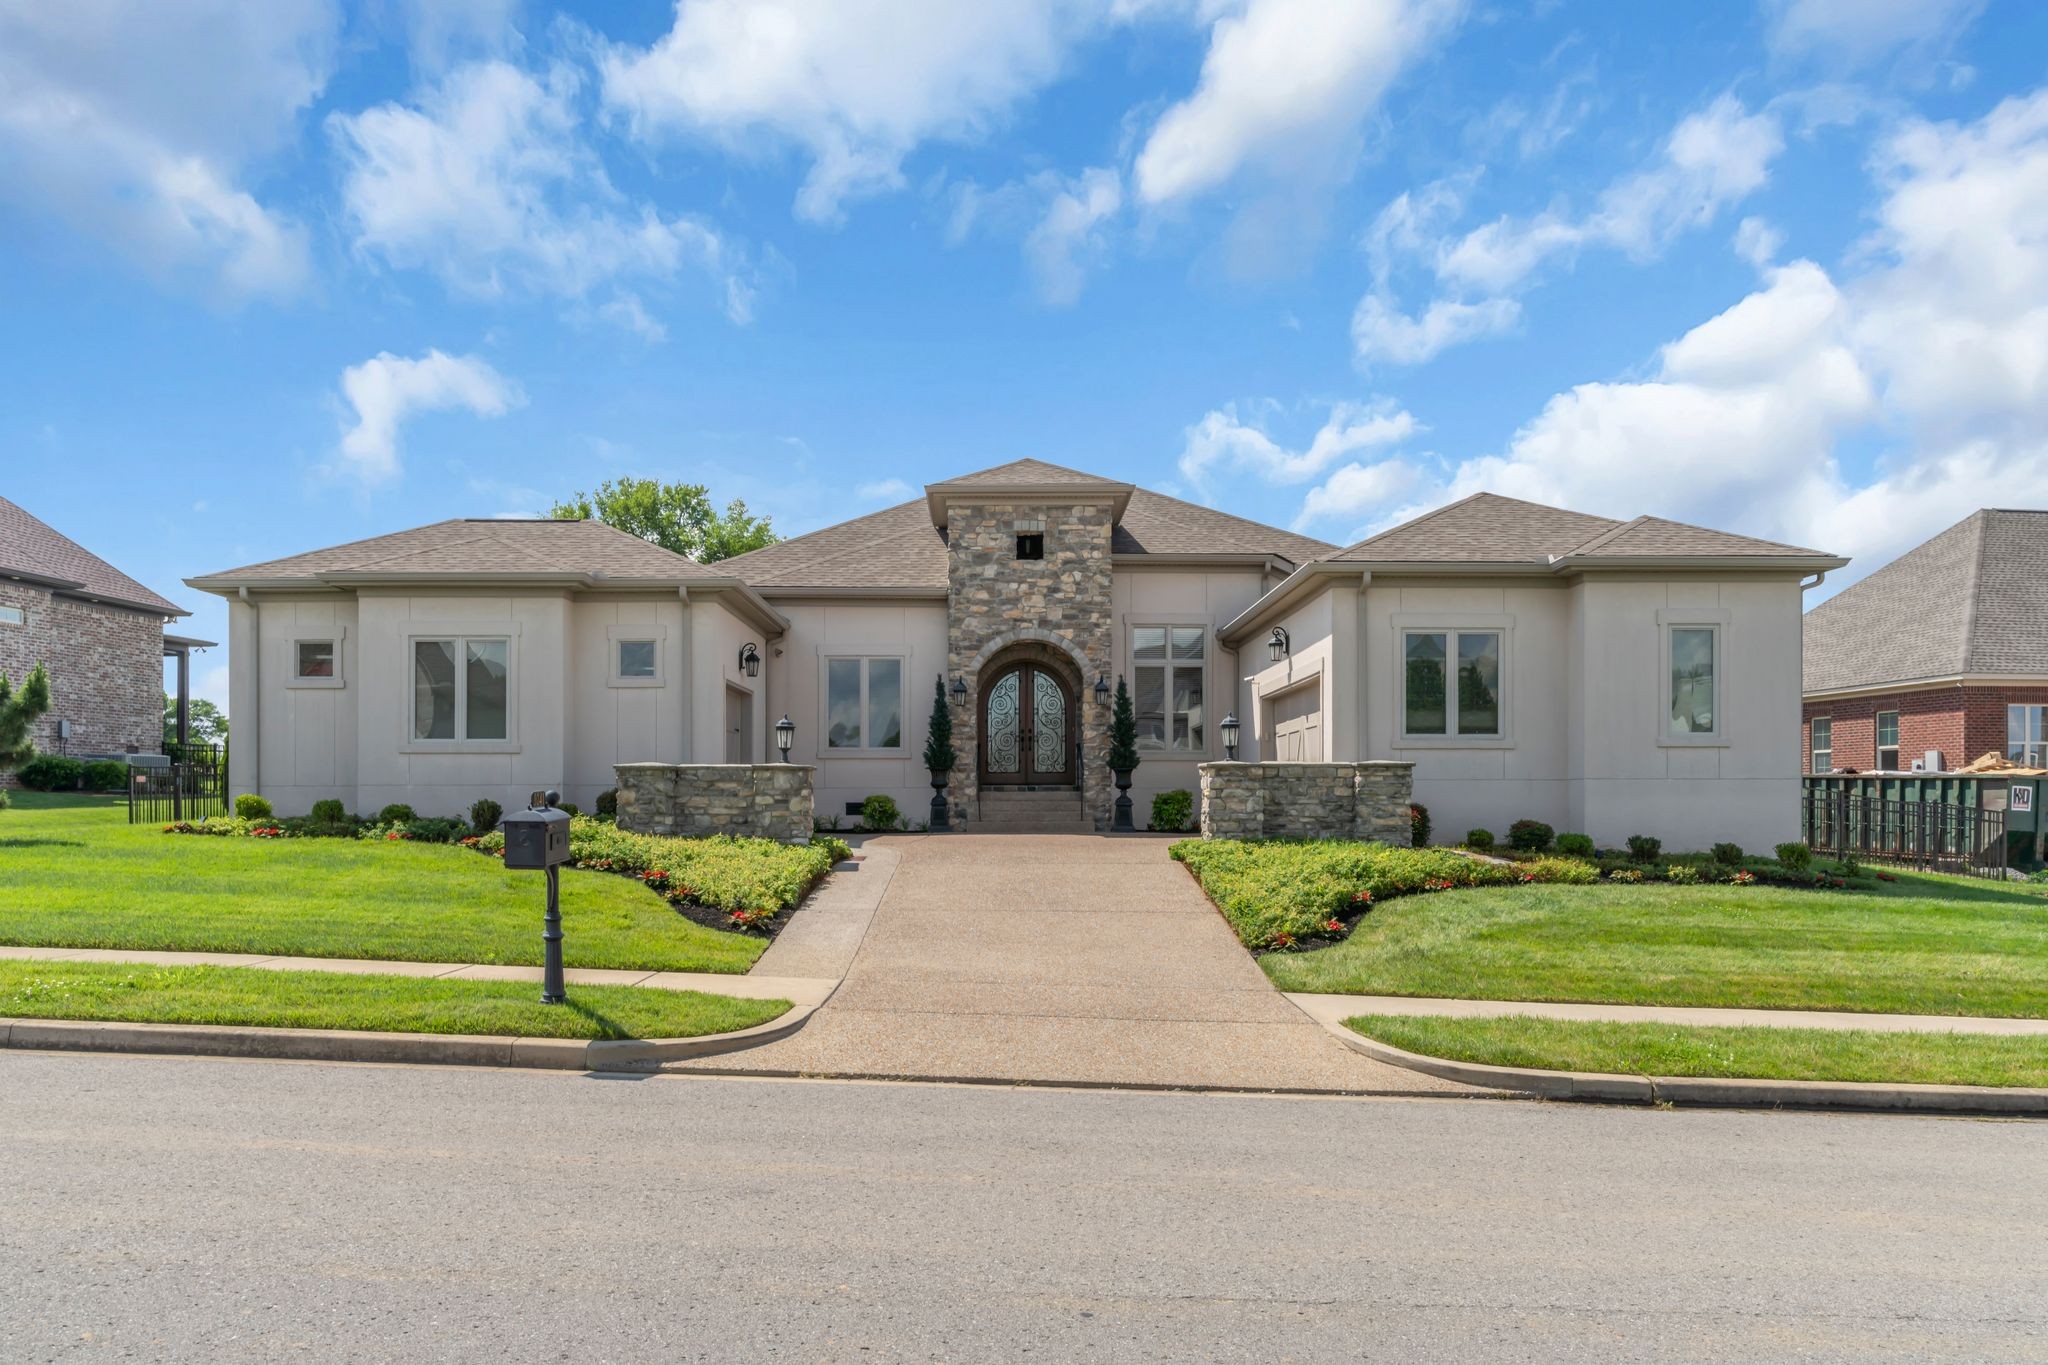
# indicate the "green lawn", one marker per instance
pixel 74 874
pixel 1917 946
pixel 1756 1053
pixel 336 1000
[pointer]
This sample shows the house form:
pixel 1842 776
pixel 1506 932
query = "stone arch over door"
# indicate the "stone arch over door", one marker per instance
pixel 1061 656
pixel 1028 717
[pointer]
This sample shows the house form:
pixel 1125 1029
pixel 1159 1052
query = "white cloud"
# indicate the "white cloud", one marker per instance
pixel 1285 85
pixel 1856 32
pixel 488 183
pixel 885 490
pixel 134 122
pixel 1757 242
pixel 1071 234
pixel 438 31
pixel 1356 493
pixel 1223 441
pixel 854 84
pixel 1382 333
pixel 387 390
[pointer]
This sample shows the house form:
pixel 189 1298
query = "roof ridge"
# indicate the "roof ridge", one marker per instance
pixel 1972 584
pixel 346 544
pixel 1618 529
pixel 835 526
pixel 1417 521
pixel 413 551
pixel 1232 516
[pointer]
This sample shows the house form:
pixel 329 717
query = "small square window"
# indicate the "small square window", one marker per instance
pixel 1031 546
pixel 13 616
pixel 315 658
pixel 636 658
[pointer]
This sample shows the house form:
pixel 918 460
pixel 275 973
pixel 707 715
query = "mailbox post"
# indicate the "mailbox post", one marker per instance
pixel 537 838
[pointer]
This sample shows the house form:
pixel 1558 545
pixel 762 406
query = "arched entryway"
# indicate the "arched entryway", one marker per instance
pixel 1029 719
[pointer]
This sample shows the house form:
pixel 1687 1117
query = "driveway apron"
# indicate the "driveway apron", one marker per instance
pixel 1061 959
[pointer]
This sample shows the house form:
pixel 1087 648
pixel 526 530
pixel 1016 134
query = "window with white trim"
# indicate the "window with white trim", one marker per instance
pixel 1822 744
pixel 863 703
pixel 461 689
pixel 1169 671
pixel 1888 741
pixel 1450 683
pixel 315 659
pixel 1693 652
pixel 13 616
pixel 2025 744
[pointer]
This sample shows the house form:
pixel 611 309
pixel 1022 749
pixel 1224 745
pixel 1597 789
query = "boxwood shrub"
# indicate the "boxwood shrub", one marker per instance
pixel 1173 810
pixel 50 773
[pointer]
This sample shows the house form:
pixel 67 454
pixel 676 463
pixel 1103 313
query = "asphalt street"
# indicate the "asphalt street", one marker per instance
pixel 187 1209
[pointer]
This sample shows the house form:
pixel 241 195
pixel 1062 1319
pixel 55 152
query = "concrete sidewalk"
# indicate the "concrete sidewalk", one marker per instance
pixel 798 990
pixel 1335 1009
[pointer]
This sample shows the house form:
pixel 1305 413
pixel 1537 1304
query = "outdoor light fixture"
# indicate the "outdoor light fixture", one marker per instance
pixel 1229 728
pixel 750 660
pixel 1101 690
pixel 1279 646
pixel 959 690
pixel 785 734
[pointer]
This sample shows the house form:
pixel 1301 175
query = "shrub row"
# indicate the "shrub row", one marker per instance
pixel 56 773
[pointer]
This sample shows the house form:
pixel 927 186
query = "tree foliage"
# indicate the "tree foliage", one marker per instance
pixel 678 517
pixel 938 738
pixel 209 722
pixel 20 708
pixel 1123 732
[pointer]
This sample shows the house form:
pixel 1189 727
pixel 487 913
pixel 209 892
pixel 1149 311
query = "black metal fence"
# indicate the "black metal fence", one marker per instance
pixel 1932 835
pixel 191 786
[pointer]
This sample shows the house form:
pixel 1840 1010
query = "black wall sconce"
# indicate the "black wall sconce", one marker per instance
pixel 1279 646
pixel 1101 690
pixel 750 660
pixel 959 691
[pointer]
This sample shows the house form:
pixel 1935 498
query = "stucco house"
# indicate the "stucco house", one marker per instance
pixel 1612 677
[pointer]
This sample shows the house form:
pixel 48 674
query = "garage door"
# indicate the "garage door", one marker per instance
pixel 1296 716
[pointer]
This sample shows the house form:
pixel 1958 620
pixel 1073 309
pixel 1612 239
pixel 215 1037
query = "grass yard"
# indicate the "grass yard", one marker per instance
pixel 1755 1053
pixel 75 874
pixel 335 1000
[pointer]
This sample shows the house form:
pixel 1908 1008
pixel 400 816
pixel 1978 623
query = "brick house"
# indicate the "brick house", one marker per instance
pixel 98 631
pixel 1943 650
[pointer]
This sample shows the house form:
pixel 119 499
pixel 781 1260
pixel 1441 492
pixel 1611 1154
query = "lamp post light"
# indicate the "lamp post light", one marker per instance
pixel 1101 690
pixel 959 691
pixel 1279 646
pixel 1229 728
pixel 750 660
pixel 785 735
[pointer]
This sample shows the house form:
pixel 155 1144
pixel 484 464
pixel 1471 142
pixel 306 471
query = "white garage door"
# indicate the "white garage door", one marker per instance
pixel 1296 716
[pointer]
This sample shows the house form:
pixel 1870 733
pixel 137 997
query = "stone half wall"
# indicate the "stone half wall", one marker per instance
pixel 759 800
pixel 1366 801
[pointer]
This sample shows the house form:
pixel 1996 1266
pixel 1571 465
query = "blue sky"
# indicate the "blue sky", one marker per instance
pixel 285 275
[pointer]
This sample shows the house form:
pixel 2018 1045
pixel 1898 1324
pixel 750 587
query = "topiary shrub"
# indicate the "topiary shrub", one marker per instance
pixel 50 773
pixel 106 775
pixel 607 804
pixel 250 806
pixel 397 813
pixel 1643 848
pixel 1530 836
pixel 570 806
pixel 1481 839
pixel 1172 810
pixel 329 812
pixel 879 812
pixel 1728 855
pixel 1418 824
pixel 484 815
pixel 1576 845
pixel 1794 855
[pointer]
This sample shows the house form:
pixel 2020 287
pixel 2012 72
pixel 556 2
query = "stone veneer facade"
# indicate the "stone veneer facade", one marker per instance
pixel 106 670
pixel 1308 801
pixel 999 607
pixel 759 800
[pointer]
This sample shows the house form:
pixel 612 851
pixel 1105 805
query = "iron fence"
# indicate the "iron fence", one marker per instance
pixel 1932 835
pixel 191 785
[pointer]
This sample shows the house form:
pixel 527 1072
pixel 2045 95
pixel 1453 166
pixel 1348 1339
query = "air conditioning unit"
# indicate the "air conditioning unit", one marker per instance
pixel 1930 762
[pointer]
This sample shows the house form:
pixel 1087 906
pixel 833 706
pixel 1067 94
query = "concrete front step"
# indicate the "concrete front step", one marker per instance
pixel 1076 826
pixel 1052 812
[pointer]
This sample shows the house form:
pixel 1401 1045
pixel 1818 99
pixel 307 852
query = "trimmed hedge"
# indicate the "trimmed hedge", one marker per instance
pixel 50 773
pixel 1173 810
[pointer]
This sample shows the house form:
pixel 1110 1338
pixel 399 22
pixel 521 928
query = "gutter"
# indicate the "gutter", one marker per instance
pixel 1296 588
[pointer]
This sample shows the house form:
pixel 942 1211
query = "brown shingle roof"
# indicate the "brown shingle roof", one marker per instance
pixel 1974 599
pixel 542 546
pixel 1033 472
pixel 1487 528
pixel 32 549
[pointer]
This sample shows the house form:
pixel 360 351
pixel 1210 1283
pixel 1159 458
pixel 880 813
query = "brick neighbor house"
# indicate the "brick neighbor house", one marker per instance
pixel 98 631
pixel 1944 651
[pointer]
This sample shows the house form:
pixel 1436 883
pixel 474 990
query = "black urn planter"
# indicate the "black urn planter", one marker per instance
pixel 1122 823
pixel 941 817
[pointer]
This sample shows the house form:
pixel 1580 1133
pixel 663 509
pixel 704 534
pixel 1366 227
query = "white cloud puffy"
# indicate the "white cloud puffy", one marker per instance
pixel 1224 441
pixel 1285 83
pixel 1355 493
pixel 1071 234
pixel 1382 333
pixel 1857 32
pixel 134 122
pixel 488 183
pixel 388 390
pixel 854 84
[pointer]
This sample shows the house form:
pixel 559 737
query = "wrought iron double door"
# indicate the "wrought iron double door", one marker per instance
pixel 1027 730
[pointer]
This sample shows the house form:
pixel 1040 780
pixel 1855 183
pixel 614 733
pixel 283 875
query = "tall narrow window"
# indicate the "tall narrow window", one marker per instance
pixel 1693 683
pixel 1888 741
pixel 842 704
pixel 1450 683
pixel 2024 742
pixel 1823 745
pixel 1167 666
pixel 461 689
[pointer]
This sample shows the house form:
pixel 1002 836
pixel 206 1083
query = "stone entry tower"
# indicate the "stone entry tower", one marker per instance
pixel 1028 546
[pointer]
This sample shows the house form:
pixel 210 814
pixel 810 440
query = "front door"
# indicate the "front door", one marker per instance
pixel 739 726
pixel 1027 730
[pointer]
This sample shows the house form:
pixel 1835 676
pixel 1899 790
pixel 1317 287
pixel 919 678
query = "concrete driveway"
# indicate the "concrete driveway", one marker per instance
pixel 1055 959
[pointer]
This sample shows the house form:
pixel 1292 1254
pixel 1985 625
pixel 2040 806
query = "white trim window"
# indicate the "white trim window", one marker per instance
pixel 461 689
pixel 2026 735
pixel 317 660
pixel 1887 728
pixel 1451 684
pixel 1169 671
pixel 1692 655
pixel 634 655
pixel 863 703
pixel 13 616
pixel 1821 745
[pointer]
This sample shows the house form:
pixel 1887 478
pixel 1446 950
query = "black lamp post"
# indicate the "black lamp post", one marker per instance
pixel 785 735
pixel 750 660
pixel 1279 646
pixel 1229 728
pixel 1101 690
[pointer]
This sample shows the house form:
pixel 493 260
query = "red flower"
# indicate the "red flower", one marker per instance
pixel 1334 925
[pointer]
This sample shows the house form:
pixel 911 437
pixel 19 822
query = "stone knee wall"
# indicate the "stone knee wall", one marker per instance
pixel 759 800
pixel 1307 801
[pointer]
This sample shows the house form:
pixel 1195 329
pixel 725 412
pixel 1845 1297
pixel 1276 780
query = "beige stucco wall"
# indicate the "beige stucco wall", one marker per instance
pixel 307 735
pixel 613 721
pixel 716 634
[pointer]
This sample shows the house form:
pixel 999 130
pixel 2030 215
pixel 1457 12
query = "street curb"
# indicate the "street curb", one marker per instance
pixel 1715 1091
pixel 419 1049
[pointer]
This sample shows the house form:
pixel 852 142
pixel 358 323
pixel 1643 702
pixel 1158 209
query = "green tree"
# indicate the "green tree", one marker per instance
pixel 19 710
pixel 209 722
pixel 676 516
pixel 938 737
pixel 1123 732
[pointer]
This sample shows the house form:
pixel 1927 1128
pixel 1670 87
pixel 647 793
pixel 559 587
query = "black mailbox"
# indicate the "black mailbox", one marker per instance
pixel 536 839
